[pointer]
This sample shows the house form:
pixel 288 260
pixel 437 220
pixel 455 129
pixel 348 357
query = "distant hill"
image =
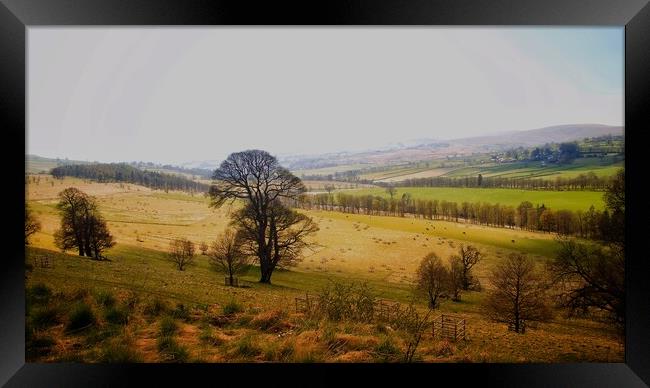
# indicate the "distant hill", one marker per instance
pixel 540 136
pixel 440 149
pixel 35 164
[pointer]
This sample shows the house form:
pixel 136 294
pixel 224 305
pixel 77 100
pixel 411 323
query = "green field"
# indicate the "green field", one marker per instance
pixel 558 200
pixel 601 168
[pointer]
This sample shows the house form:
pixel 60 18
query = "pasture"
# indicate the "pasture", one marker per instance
pixel 556 200
pixel 381 251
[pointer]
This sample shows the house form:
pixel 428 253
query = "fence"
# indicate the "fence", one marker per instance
pixel 449 327
pixel 43 261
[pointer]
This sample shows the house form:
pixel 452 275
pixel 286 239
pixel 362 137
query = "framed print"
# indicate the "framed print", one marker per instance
pixel 257 193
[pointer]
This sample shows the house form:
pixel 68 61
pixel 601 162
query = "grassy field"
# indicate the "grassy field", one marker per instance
pixel 535 170
pixel 600 167
pixel 557 200
pixel 381 251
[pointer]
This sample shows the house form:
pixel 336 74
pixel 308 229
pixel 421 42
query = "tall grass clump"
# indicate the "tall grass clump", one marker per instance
pixel 81 316
pixel 346 302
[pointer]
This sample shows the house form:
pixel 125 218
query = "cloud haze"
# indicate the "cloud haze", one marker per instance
pixel 181 94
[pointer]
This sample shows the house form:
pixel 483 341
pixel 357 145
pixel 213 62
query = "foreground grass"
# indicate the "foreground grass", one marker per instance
pixel 214 333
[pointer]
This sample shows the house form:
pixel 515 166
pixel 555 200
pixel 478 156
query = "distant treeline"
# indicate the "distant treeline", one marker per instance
pixel 587 181
pixel 587 224
pixel 122 172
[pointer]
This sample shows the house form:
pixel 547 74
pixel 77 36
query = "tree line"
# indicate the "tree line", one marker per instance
pixel 122 172
pixel 586 181
pixel 593 224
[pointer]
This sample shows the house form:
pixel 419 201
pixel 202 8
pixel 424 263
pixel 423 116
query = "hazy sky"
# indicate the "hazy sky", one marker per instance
pixel 184 94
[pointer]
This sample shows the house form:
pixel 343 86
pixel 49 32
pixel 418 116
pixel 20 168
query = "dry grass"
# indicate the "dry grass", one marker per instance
pixel 384 251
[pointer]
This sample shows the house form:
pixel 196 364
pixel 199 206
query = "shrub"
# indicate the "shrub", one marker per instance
pixel 105 299
pixel 386 350
pixel 207 337
pixel 155 307
pixel 338 302
pixel 46 316
pixel 80 317
pixel 245 347
pixel 181 312
pixel 168 326
pixel 232 307
pixel 170 350
pixel 116 315
pixel 38 294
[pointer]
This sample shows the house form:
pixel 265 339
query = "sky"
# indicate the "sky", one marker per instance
pixel 175 95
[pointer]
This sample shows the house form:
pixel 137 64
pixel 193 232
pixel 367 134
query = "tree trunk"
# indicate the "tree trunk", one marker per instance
pixel 81 250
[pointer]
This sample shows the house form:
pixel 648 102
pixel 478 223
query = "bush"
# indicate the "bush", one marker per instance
pixel 171 350
pixel 232 307
pixel 80 317
pixel 116 315
pixel 168 326
pixel 105 299
pixel 207 337
pixel 38 294
pixel 155 307
pixel 338 302
pixel 181 312
pixel 386 350
pixel 245 347
pixel 46 316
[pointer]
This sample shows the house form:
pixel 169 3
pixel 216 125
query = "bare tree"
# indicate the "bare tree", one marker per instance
pixel 330 188
pixel 285 236
pixel 226 254
pixel 469 256
pixel 431 279
pixel 181 252
pixel 455 280
pixel 82 226
pixel 32 225
pixel 519 294
pixel 590 278
pixel 257 178
pixel 203 247
pixel 391 190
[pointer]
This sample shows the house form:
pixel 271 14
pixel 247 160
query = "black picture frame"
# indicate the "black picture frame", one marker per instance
pixel 18 15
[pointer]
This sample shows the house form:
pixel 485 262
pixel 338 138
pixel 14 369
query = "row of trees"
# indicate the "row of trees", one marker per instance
pixel 122 172
pixel 593 224
pixel 585 181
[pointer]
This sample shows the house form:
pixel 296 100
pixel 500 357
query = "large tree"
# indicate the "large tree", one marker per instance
pixel 82 226
pixel 257 178
pixel 284 238
pixel 519 294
